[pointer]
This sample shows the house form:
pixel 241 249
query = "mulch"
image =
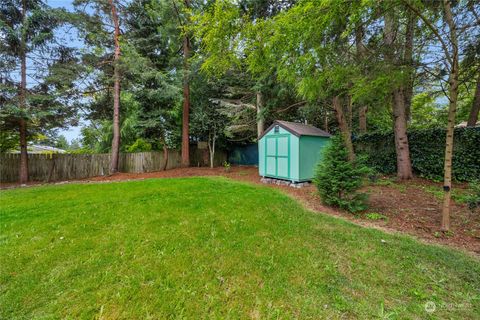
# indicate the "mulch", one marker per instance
pixel 407 206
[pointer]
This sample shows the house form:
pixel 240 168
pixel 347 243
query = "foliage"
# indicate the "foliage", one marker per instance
pixel 338 179
pixel 140 145
pixel 426 113
pixel 8 141
pixel 427 148
pixel 62 143
pixel 249 241
pixel 227 166
pixel 52 67
pixel 375 216
pixel 473 198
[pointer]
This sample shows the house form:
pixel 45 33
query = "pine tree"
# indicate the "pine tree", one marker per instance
pixel 37 73
pixel 339 179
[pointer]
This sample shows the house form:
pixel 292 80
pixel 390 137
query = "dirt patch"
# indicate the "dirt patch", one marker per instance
pixel 412 207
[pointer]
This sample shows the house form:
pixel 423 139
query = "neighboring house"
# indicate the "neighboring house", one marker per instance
pixel 38 149
pixel 291 151
pixel 464 124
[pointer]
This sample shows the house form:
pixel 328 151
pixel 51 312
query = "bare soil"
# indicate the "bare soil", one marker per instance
pixel 407 207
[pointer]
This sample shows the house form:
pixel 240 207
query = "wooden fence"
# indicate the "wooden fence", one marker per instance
pixel 61 167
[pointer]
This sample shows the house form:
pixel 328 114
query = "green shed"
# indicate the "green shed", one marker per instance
pixel 290 151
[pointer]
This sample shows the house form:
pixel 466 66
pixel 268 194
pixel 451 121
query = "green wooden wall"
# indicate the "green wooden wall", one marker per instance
pixel 303 155
pixel 265 162
pixel 310 154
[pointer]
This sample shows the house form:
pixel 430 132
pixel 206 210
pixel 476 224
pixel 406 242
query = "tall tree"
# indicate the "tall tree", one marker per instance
pixel 99 22
pixel 450 49
pixel 23 96
pixel 39 101
pixel 116 90
pixel 361 53
pixel 260 119
pixel 404 164
pixel 232 36
pixel 473 116
pixel 186 93
pixel 152 59
pixel 344 125
pixel 452 109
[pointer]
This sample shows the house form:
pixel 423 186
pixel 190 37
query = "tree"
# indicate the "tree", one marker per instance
pixel 8 141
pixel 155 62
pixel 61 143
pixel 338 178
pixel 232 35
pixel 452 108
pixel 28 42
pixel 209 123
pixel 361 53
pixel 404 164
pixel 186 92
pixel 450 48
pixel 97 21
pixel 473 116
pixel 116 90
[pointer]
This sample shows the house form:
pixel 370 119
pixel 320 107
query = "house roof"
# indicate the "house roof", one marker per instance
pixel 464 124
pixel 35 148
pixel 297 129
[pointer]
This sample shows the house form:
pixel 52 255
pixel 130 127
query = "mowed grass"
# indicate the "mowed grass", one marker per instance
pixel 211 248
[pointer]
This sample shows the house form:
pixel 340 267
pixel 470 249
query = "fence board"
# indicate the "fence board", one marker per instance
pixel 61 167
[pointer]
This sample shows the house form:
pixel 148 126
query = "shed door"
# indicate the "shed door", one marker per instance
pixel 277 156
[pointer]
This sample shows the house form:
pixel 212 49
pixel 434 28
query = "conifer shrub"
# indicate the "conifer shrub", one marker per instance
pixel 338 179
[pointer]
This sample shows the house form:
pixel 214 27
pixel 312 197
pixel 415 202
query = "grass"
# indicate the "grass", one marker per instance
pixel 375 216
pixel 390 182
pixel 212 248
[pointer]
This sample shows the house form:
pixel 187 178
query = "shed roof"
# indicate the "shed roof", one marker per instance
pixel 297 129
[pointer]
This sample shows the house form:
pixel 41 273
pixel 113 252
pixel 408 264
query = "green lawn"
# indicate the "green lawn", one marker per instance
pixel 212 248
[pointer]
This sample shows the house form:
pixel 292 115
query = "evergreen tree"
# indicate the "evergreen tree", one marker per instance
pixel 338 179
pixel 37 73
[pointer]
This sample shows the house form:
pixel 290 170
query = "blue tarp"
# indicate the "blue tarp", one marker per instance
pixel 244 155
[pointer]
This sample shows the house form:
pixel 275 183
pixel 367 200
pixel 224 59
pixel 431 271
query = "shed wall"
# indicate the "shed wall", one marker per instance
pixel 294 155
pixel 311 149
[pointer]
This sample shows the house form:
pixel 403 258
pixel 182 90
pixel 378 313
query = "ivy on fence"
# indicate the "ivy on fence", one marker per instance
pixel 427 151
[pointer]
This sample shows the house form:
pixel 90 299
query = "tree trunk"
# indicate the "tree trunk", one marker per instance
pixel 349 111
pixel 260 120
pixel 325 120
pixel 361 51
pixel 408 62
pixel 116 93
pixel 345 130
pixel 165 156
pixel 23 101
pixel 473 117
pixel 362 120
pixel 211 149
pixel 186 98
pixel 23 152
pixel 404 164
pixel 452 108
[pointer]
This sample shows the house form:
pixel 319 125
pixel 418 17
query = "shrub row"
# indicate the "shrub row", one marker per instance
pixel 427 151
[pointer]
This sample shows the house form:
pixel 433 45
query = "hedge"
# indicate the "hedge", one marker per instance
pixel 427 151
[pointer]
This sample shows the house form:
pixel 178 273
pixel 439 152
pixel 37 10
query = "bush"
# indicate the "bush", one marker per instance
pixel 473 198
pixel 338 179
pixel 427 152
pixel 139 145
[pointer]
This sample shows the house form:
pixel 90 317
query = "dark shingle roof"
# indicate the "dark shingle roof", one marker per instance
pixel 298 129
